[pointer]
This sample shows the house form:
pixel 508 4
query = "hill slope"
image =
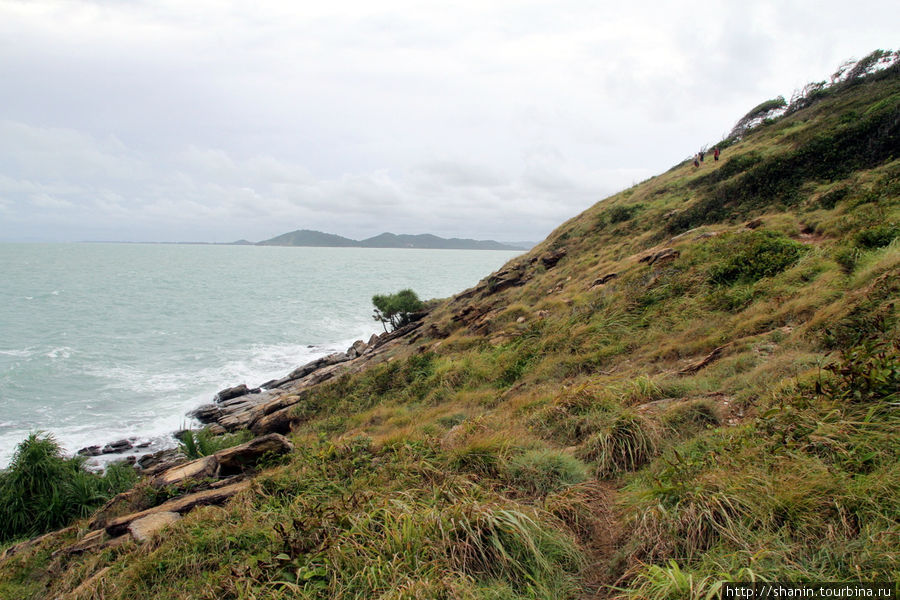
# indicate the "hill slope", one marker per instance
pixel 693 381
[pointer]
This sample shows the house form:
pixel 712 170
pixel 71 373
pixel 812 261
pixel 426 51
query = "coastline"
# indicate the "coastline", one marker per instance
pixel 263 409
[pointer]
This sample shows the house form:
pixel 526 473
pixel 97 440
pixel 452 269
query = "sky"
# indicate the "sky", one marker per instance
pixel 214 120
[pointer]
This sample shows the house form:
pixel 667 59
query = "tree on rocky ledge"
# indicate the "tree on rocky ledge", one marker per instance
pixel 396 308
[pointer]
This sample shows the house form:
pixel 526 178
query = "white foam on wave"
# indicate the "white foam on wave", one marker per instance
pixel 26 353
pixel 155 405
pixel 60 352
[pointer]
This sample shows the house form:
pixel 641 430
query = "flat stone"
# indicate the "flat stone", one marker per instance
pixel 196 469
pixel 90 541
pixel 143 529
pixel 119 525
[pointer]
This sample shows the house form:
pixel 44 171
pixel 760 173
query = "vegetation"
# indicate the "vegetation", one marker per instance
pixel 42 490
pixel 200 442
pixel 693 382
pixel 396 308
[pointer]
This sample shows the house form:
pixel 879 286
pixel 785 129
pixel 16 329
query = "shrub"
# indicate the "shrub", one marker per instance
pixel 42 490
pixel 877 237
pixel 753 255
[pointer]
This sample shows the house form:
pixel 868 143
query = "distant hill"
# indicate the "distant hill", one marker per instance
pixel 307 237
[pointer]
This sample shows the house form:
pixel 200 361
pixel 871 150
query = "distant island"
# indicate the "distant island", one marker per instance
pixel 307 237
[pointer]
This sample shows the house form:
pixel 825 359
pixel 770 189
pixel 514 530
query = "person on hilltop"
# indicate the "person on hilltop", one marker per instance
pixel 696 161
pixel 716 153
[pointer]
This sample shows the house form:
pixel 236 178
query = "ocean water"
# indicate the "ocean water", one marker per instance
pixel 106 341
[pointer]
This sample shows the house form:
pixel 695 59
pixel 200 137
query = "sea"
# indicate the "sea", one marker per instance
pixel 100 342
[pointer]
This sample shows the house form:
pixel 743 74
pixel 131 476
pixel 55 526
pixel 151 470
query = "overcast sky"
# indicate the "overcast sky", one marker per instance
pixel 201 120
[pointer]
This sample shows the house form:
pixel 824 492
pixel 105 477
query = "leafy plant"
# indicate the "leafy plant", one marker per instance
pixel 201 442
pixel 42 490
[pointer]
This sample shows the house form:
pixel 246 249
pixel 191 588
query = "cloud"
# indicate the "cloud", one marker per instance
pixel 221 120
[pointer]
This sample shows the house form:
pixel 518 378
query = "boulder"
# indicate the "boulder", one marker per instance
pixel 550 259
pixel 161 460
pixel 663 255
pixel 90 451
pixel 232 392
pixel 143 529
pixel 753 223
pixel 280 421
pixel 357 348
pixel 117 447
pixel 235 459
pixel 206 413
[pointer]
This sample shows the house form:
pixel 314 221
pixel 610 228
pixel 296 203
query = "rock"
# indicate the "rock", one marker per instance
pixel 143 529
pixel 280 421
pixel 206 413
pixel 235 459
pixel 520 320
pixel 232 392
pixel 90 451
pixel 195 469
pixel 604 279
pixel 119 525
pixel 373 340
pixel 358 347
pixel 550 259
pixel 663 255
pixel 161 460
pixel 90 541
pixel 117 447
pixel 542 314
pixel 753 223
pixel 216 429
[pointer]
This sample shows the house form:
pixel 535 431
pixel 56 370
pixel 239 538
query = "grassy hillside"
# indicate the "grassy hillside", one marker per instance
pixel 693 381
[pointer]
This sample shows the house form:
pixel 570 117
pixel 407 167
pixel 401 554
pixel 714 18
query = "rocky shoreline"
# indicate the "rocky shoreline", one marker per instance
pixel 263 409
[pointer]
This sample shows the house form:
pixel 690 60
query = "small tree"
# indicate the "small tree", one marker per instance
pixel 396 308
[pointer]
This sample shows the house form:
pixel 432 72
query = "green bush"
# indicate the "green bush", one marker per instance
pixel 753 255
pixel 877 237
pixel 42 490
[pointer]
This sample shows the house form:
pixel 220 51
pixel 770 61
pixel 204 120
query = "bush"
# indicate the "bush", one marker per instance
pixel 877 237
pixel 752 256
pixel 42 490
